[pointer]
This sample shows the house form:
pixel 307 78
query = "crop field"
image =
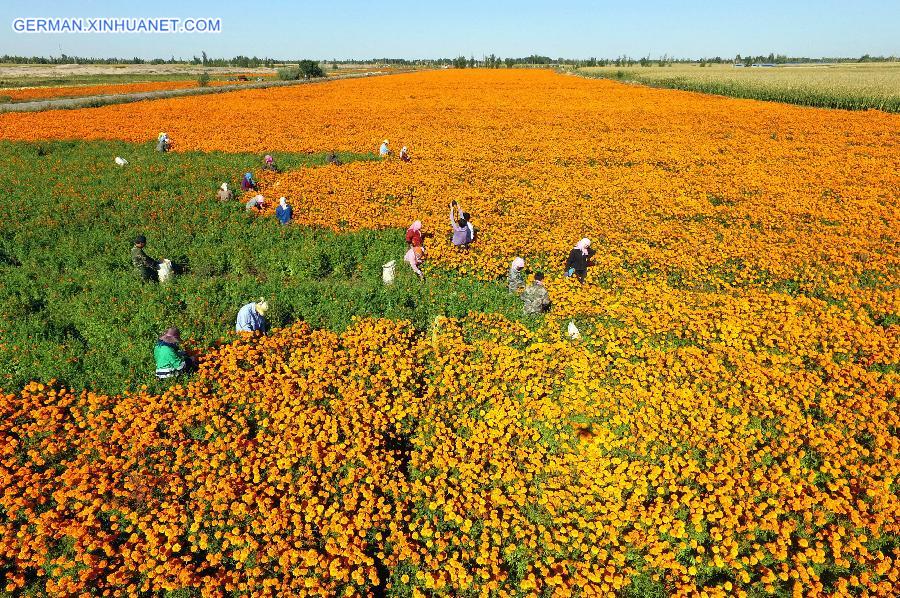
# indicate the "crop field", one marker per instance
pixel 25 94
pixel 727 424
pixel 855 86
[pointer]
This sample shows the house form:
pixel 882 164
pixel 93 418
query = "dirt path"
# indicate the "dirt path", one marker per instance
pixel 103 100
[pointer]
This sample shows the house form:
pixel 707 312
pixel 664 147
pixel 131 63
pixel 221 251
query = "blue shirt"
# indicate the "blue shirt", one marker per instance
pixel 383 150
pixel 283 214
pixel 250 320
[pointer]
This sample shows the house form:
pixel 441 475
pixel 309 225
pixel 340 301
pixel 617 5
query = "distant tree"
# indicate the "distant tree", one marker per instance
pixel 203 79
pixel 310 69
pixel 204 58
pixel 471 62
pixel 510 62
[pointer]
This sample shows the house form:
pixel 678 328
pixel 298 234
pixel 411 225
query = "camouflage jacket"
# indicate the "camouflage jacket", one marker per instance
pixel 536 299
pixel 141 260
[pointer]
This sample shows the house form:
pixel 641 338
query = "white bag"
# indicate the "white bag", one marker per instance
pixel 574 334
pixel 387 272
pixel 121 161
pixel 165 271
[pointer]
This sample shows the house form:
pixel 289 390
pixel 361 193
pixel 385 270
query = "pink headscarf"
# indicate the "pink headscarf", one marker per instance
pixel 583 245
pixel 417 225
pixel 269 159
pixel 518 263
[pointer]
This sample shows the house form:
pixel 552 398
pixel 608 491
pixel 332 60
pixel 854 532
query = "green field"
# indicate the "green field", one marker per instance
pixel 72 309
pixel 854 86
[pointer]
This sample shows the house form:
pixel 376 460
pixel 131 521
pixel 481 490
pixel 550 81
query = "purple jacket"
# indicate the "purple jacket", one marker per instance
pixel 460 234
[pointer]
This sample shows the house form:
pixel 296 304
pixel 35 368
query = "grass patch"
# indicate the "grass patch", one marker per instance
pixel 71 308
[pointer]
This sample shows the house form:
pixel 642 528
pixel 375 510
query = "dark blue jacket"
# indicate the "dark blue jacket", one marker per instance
pixel 283 214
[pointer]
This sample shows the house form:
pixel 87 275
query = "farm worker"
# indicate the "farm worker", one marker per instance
pixel 247 183
pixel 251 317
pixel 144 265
pixel 270 164
pixel 414 233
pixel 460 229
pixel 224 193
pixel 404 154
pixel 332 158
pixel 162 143
pixel 516 277
pixel 469 227
pixel 384 150
pixel 283 211
pixel 256 202
pixel 169 360
pixel 536 297
pixel 579 258
pixel 415 256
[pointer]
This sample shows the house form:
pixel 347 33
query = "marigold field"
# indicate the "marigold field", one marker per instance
pixel 728 424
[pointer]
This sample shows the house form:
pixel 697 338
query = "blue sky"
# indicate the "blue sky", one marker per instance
pixel 410 29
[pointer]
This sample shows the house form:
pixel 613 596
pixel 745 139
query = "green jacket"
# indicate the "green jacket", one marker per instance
pixel 536 299
pixel 169 360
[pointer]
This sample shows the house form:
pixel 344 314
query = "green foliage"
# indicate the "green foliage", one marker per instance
pixel 305 69
pixel 310 69
pixel 203 79
pixel 289 73
pixel 643 586
pixel 72 309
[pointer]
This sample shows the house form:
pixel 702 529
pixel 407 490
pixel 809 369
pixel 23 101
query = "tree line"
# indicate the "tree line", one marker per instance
pixel 485 61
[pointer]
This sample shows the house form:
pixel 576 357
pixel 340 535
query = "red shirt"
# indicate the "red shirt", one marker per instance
pixel 414 237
